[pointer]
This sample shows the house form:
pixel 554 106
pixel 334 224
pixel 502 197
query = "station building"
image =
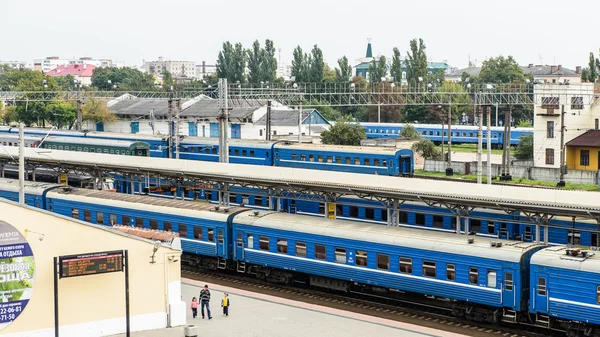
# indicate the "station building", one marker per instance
pixel 89 305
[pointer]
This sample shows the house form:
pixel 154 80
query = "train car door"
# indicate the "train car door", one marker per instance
pixel 220 242
pixel 509 293
pixel 541 293
pixel 239 246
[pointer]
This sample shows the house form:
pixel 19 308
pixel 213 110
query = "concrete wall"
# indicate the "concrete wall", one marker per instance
pixel 93 305
pixel 519 170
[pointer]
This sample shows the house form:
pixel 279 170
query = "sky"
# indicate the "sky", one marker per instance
pixel 456 31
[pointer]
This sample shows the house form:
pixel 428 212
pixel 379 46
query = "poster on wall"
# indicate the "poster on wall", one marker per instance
pixel 17 273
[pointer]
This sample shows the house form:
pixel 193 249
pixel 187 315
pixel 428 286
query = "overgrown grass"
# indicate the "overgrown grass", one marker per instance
pixel 469 148
pixel 569 186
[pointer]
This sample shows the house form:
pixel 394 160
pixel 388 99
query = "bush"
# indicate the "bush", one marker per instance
pixel 344 133
pixel 525 148
pixel 427 149
pixel 409 132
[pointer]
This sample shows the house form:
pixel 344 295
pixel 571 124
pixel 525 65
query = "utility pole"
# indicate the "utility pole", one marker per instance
pixel 170 112
pixel 489 145
pixel 378 113
pixel 443 138
pixel 177 112
pixel 449 171
pixel 479 142
pixel 300 124
pixel 223 122
pixel 506 145
pixel 21 165
pixel 79 112
pixel 561 183
pixel 268 124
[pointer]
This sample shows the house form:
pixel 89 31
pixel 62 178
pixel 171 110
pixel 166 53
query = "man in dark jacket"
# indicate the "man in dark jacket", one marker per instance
pixel 205 301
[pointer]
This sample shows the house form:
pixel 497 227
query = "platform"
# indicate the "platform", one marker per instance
pixel 257 315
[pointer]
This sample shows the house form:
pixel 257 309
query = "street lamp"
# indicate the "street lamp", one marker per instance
pixel 420 81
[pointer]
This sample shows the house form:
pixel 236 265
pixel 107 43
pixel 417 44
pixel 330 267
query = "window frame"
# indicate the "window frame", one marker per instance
pixel 282 246
pixel 385 262
pixel 363 256
pixel 427 266
pixel 250 241
pixel 182 228
pixel 198 233
pixel 450 272
pixel 340 255
pixel 318 254
pixel 302 246
pixel 406 264
pixel 473 275
pixel 489 273
pixel 508 284
pixel 541 289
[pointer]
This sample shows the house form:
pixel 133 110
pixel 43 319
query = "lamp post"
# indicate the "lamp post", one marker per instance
pixel 79 112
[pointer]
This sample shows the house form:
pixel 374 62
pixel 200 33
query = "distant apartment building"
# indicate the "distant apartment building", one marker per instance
pixel 176 68
pixel 17 64
pixel 51 62
pixel 582 113
pixel 541 73
pixel 204 69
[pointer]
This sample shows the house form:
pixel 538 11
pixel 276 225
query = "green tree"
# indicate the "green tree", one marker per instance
pixel 416 62
pixel 396 69
pixel 268 62
pixel 8 114
pixel 95 110
pixel 167 80
pixel 66 83
pixel 525 148
pixel 524 124
pixel 415 114
pixel 124 78
pixel 344 72
pixel 324 109
pixel 224 61
pixel 409 132
pixel 254 63
pixel 316 65
pixel 427 149
pixel 585 75
pixel 329 75
pixel 62 114
pixel 231 62
pixel 501 70
pixel 594 68
pixel 377 70
pixel 344 133
pixel 299 65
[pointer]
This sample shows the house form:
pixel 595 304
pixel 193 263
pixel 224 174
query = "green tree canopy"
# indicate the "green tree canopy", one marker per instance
pixel 95 110
pixel 396 70
pixel 416 62
pixel 324 109
pixel 62 114
pixel 501 70
pixel 427 149
pixel 316 65
pixel 409 132
pixel 123 78
pixel 231 62
pixel 344 72
pixel 377 70
pixel 344 133
pixel 268 64
pixel 524 150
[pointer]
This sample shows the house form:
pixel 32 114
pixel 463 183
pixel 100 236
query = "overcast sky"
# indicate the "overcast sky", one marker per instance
pixel 558 32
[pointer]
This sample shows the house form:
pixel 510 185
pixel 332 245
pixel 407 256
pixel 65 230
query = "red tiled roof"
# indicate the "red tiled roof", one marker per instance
pixel 590 138
pixel 82 70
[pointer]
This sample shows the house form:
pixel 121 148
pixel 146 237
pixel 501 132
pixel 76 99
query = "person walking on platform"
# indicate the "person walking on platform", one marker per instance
pixel 205 301
pixel 225 304
pixel 194 307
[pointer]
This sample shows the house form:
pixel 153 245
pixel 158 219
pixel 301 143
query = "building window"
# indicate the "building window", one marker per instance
pixel 450 272
pixel 597 124
pixel 383 261
pixel 584 158
pixel 406 265
pixel 508 281
pixel 301 249
pixel 473 275
pixel 550 129
pixel 576 103
pixel 263 242
pixel 549 156
pixel 282 246
pixel 550 103
pixel 340 255
pixel 361 258
pixel 428 268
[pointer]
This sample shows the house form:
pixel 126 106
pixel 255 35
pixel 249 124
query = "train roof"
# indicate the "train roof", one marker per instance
pixel 93 141
pixel 254 144
pixel 511 251
pixel 557 257
pixel 439 126
pixel 389 150
pixel 12 136
pixel 31 187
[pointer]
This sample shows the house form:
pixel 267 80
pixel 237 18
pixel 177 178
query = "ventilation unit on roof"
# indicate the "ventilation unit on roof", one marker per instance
pixel 470 240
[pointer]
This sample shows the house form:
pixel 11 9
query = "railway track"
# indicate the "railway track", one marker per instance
pixel 426 315
pixel 417 176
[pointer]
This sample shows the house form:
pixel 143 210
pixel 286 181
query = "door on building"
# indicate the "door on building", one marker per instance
pixel 135 127
pixel 192 129
pixel 598 167
pixel 100 126
pixel 214 130
pixel 236 131
pixel 203 130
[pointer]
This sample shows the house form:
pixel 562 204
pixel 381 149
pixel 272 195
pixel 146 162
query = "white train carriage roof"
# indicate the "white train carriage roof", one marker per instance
pixel 31 187
pixel 439 126
pixel 14 136
pixel 145 203
pixel 450 243
pixel 256 144
pixel 556 256
pixel 387 150
pixel 89 141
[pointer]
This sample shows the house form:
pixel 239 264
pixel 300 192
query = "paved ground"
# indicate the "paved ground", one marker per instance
pixel 466 157
pixel 253 314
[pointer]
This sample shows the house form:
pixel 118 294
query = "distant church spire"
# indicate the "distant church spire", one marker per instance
pixel 369 50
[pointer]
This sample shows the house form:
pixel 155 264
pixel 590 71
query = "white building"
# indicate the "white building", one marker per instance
pixel 541 73
pixel 52 62
pixel 582 113
pixel 176 68
pixel 18 64
pixel 205 70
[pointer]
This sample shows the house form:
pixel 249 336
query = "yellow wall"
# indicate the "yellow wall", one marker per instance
pixel 574 158
pixel 87 300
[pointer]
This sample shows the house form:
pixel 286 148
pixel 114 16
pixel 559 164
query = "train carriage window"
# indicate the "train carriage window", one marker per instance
pixel 367 162
pixel 251 153
pixel 438 221
pixel 250 239
pixel 431 133
pixel 311 157
pixel 321 208
pixel 60 147
pixel 420 219
pixel 356 161
pixel 491 279
pixel 92 150
pixel 339 210
pixel 320 158
pixel 302 157
pixel 240 241
pixel 353 212
pixel 473 275
pixel 116 152
pixel 153 224
pixel 244 153
pixel 384 214
pixel 232 198
pixel 384 163
pixel 236 152
pixel 106 151
pixel 340 255
pixel 429 269
pixel 258 201
pixel 85 149
pixel 361 258
pixel 282 246
pixel 503 230
pixel 230 151
pixel 369 214
pixel 66 148
pixel 168 226
pixel 338 160
pixel 541 286
pixel 126 221
pixel 300 249
pixel 54 147
pixel 214 150
pixel 475 225
pixel 198 233
pixel 450 272
pixel 383 262
pixel 376 162
pixel 75 213
pixel 100 218
pixel 220 237
pixel 347 161
pixel 320 252
pixel 183 231
pixel 87 216
pixel 139 222
pixel 575 237
pixel 403 217
pixel 329 159
pixel 293 156
pixel 491 227
pixel 598 294
pixel 508 281
pixel 112 219
pixel 211 235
